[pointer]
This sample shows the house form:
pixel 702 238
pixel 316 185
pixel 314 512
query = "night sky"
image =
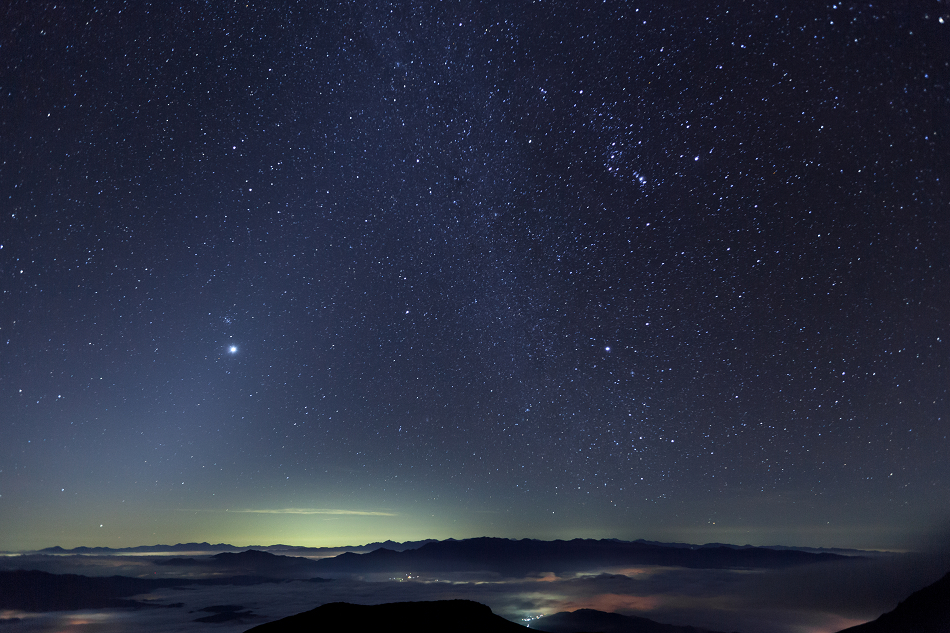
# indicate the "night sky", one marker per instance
pixel 326 273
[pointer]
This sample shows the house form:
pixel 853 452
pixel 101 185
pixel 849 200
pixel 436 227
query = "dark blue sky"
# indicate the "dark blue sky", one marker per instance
pixel 326 273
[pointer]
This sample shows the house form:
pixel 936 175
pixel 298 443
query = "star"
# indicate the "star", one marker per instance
pixel 233 349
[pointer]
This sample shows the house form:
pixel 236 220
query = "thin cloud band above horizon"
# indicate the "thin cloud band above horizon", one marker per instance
pixel 374 513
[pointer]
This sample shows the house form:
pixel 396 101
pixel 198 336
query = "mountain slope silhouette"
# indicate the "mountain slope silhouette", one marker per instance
pixel 924 611
pixel 602 622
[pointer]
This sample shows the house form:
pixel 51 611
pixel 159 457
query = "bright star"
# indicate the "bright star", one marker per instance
pixel 233 349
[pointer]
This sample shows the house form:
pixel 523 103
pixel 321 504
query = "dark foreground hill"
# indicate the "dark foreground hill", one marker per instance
pixel 924 611
pixel 592 620
pixel 459 616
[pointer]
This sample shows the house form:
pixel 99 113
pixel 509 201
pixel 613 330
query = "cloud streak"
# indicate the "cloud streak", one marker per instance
pixel 331 511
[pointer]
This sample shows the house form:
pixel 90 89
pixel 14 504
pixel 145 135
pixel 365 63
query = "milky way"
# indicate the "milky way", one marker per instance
pixel 445 270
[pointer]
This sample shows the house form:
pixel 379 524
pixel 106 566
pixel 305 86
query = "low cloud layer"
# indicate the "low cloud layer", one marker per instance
pixel 818 598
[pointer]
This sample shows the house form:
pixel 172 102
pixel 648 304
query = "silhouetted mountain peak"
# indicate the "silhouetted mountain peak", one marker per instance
pixel 460 616
pixel 250 556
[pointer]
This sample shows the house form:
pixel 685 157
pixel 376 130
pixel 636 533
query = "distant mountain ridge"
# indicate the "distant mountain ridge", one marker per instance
pixel 502 556
pixel 510 557
pixel 226 547
pixel 527 555
pixel 496 555
pixel 413 545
